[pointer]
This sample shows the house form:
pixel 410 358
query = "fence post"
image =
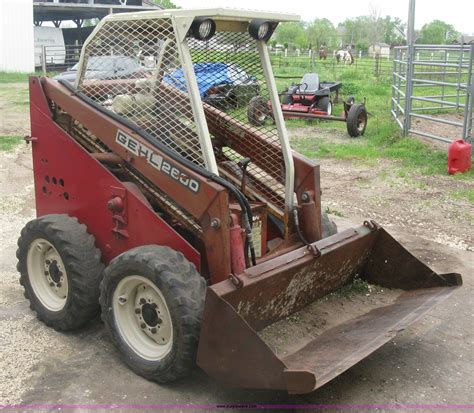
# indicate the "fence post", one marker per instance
pixel 461 58
pixel 377 64
pixel 410 67
pixel 43 59
pixel 467 124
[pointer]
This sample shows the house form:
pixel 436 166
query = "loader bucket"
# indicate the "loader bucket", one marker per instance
pixel 244 324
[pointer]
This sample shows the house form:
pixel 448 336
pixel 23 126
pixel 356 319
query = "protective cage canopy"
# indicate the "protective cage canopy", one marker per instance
pixel 139 66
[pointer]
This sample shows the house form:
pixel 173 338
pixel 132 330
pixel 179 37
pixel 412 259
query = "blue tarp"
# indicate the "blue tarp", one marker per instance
pixel 207 76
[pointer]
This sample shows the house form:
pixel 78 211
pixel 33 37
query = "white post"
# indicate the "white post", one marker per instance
pixel 280 124
pixel 43 59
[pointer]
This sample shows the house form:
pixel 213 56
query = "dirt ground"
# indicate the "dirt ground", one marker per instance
pixel 431 362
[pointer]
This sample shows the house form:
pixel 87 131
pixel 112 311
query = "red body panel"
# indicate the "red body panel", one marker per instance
pixel 299 107
pixel 68 180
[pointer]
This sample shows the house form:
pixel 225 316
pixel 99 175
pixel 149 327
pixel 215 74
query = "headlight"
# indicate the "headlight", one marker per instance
pixel 203 28
pixel 261 29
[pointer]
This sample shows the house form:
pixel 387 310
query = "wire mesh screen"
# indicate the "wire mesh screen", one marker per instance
pixel 233 90
pixel 129 69
pixel 133 68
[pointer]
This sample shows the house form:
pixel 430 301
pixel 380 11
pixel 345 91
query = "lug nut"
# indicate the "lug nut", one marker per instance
pixel 143 325
pixel 46 273
pixel 48 262
pixel 154 330
pixel 137 311
pixel 59 284
pixel 159 321
pixel 142 301
pixel 154 305
pixel 51 284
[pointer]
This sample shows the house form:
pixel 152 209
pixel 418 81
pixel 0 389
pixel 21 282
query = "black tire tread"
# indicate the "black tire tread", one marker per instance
pixel 187 288
pixel 323 103
pixel 83 265
pixel 351 120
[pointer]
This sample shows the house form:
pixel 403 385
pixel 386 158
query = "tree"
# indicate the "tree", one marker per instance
pixel 357 31
pixel 391 34
pixel 321 32
pixel 291 33
pixel 167 4
pixel 437 32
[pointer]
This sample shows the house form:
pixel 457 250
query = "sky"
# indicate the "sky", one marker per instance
pixel 459 13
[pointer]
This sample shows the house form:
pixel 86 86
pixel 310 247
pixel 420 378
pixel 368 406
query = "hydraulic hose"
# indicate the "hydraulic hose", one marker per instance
pixel 239 196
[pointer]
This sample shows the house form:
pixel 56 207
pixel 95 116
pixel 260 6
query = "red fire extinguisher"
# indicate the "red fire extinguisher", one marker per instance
pixel 459 157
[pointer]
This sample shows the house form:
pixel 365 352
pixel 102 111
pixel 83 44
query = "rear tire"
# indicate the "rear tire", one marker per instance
pixel 356 120
pixel 324 104
pixel 257 111
pixel 152 300
pixel 60 270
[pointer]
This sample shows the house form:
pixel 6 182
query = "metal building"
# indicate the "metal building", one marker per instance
pixel 17 50
pixel 16 36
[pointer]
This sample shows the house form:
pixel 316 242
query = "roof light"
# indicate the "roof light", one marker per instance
pixel 261 29
pixel 203 28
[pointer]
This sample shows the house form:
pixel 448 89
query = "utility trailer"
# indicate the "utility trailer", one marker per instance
pixel 189 229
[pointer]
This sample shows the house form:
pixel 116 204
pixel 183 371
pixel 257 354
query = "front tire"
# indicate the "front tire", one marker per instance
pixel 152 300
pixel 60 270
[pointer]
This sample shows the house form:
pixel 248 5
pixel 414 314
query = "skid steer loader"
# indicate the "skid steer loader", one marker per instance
pixel 191 230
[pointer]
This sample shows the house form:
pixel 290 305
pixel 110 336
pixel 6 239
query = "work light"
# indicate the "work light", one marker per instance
pixel 203 28
pixel 261 29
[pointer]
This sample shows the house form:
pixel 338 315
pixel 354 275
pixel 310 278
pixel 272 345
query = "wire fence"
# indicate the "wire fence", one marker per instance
pixel 377 65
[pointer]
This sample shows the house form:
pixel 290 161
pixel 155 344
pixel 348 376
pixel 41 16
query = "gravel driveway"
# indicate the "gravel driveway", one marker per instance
pixel 431 362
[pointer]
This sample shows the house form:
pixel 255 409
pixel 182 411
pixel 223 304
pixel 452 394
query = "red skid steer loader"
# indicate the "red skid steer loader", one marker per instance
pixel 193 232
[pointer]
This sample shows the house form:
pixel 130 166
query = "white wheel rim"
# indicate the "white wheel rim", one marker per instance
pixel 329 108
pixel 47 274
pixel 142 317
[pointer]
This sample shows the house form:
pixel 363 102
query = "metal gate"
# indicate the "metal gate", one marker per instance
pixel 432 86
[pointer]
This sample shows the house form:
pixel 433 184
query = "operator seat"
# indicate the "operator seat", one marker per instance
pixel 312 80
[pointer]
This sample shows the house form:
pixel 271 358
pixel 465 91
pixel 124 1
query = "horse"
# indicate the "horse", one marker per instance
pixel 323 54
pixel 344 56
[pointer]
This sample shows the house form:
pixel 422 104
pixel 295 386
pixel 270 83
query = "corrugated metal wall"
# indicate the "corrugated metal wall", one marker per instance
pixel 16 36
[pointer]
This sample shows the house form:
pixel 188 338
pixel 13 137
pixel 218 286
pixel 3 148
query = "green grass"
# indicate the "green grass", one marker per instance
pixel 7 143
pixel 14 77
pixel 465 194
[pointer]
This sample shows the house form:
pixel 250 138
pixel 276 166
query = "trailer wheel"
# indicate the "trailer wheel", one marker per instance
pixel 324 104
pixel 257 111
pixel 152 300
pixel 356 120
pixel 60 270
